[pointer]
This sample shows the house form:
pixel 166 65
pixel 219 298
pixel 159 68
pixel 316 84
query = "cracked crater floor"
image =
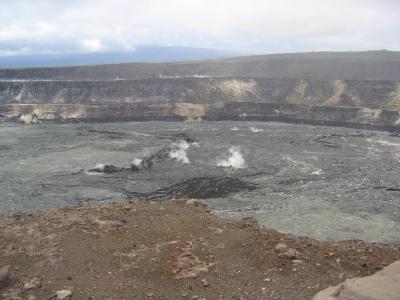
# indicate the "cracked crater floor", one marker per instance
pixel 324 182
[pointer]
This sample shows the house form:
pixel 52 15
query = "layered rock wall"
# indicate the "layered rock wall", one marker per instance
pixel 374 104
pixel 244 111
pixel 371 94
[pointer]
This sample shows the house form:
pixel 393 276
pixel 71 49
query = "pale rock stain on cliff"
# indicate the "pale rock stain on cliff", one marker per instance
pixel 394 99
pixel 31 114
pixel 73 112
pixel 298 95
pixel 18 98
pixel 37 114
pixel 29 118
pixel 191 111
pixel 341 96
pixel 371 114
pixel 237 89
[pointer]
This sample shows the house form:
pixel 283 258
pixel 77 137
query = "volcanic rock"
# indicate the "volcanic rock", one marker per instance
pixel 34 283
pixel 64 295
pixel 203 188
pixel 108 169
pixel 290 254
pixel 281 248
pixel 383 285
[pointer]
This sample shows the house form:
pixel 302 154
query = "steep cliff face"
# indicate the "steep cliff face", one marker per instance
pixel 371 94
pixel 336 102
pixel 357 117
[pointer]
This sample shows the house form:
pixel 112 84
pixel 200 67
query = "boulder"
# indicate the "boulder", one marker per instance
pixel 32 284
pixel 289 254
pixel 383 285
pixel 285 252
pixel 64 295
pixel 281 248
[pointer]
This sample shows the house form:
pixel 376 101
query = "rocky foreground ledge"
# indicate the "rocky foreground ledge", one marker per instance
pixel 173 250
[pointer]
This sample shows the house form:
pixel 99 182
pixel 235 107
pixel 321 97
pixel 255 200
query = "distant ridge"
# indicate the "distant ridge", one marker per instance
pixel 141 54
pixel 367 65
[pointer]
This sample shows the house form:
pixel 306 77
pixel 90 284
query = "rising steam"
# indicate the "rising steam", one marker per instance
pixel 234 160
pixel 255 129
pixel 137 162
pixel 179 152
pixel 100 167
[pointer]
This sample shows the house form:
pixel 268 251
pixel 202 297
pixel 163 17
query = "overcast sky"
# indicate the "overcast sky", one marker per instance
pixel 64 26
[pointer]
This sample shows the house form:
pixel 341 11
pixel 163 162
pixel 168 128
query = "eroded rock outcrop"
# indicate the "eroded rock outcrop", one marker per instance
pixel 384 285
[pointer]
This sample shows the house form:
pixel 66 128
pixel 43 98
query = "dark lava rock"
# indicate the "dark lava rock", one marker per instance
pixel 182 136
pixel 322 139
pixel 108 169
pixel 185 137
pixel 109 134
pixel 202 188
pixel 149 162
pixel 395 134
pixel 352 134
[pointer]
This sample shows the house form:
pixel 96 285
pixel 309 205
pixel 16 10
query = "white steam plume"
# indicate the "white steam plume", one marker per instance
pixel 234 160
pixel 100 167
pixel 136 162
pixel 179 152
pixel 255 129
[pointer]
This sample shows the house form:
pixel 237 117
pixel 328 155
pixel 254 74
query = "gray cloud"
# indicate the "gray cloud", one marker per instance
pixel 48 26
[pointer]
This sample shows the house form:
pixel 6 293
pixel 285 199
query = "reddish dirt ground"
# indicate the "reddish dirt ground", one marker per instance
pixel 172 250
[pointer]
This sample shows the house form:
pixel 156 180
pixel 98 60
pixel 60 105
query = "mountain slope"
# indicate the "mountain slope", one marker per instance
pixel 371 65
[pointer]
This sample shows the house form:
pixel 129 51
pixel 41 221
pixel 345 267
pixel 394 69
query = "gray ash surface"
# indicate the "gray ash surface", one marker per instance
pixel 327 183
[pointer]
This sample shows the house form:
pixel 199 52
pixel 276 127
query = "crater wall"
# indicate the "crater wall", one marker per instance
pixel 356 102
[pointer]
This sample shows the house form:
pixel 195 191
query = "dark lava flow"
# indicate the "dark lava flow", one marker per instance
pixel 199 188
pixel 324 182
